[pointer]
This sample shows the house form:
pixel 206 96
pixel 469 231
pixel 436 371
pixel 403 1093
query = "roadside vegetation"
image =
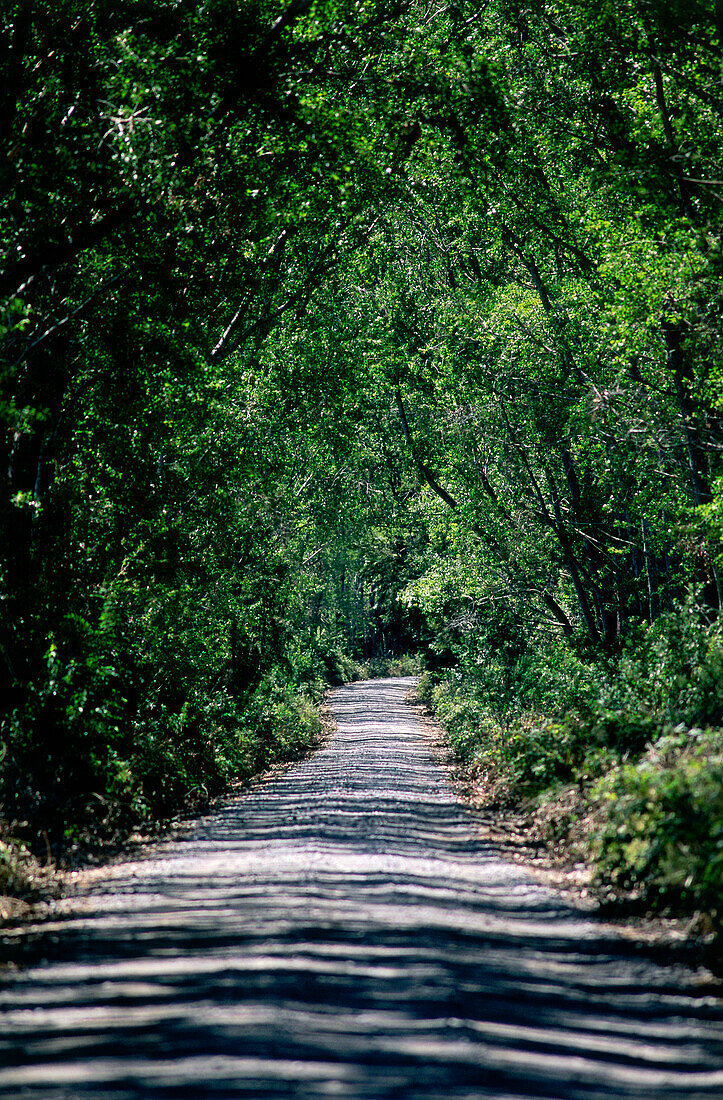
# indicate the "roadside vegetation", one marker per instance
pixel 616 765
pixel 333 331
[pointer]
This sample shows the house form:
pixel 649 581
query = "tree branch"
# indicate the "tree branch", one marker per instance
pixel 423 469
pixel 23 271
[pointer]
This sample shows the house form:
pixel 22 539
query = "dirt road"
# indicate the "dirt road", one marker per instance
pixel 343 932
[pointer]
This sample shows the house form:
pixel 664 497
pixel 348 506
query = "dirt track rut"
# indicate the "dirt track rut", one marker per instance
pixel 342 931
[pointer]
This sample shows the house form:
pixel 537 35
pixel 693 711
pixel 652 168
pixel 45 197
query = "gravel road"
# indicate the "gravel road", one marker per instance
pixel 343 931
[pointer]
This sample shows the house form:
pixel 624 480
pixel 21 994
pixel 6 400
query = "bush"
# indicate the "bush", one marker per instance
pixel 659 826
pixel 526 754
pixel 406 664
pixel 20 873
pixel 670 673
pixel 65 749
pixel 634 769
pixel 280 723
pixel 78 767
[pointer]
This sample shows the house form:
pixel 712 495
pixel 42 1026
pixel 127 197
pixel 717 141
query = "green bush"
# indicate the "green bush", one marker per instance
pixel 645 769
pixel 425 688
pixel 527 753
pixel 668 673
pixel 659 827
pixel 66 750
pixel 406 664
pixel 79 764
pixel 565 716
pixel 280 723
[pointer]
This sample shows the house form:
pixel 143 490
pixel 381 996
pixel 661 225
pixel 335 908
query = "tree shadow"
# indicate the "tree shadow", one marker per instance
pixel 341 931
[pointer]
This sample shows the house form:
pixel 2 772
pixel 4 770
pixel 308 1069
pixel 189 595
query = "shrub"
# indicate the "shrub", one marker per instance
pixel 621 748
pixel 406 664
pixel 659 825
pixel 78 767
pixel 20 873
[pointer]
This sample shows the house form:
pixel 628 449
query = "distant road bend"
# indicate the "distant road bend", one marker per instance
pixel 342 931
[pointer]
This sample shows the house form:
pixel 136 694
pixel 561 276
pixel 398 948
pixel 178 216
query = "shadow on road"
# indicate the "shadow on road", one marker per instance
pixel 342 932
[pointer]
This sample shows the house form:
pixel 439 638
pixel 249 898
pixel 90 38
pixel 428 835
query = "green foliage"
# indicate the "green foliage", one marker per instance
pixel 338 333
pixel 528 754
pixel 659 822
pixel 647 770
pixel 671 672
pixel 280 724
pixel 78 764
pixel 63 748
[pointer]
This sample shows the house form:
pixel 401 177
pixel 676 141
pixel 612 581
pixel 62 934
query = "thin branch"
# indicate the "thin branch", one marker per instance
pixel 83 237
pixel 66 320
pixel 423 469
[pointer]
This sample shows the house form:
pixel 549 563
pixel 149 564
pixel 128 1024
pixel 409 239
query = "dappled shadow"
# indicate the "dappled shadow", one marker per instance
pixel 342 931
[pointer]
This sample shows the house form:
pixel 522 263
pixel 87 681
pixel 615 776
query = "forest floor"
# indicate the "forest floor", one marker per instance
pixel 347 928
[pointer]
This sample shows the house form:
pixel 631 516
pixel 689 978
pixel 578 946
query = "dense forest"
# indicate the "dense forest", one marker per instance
pixel 341 331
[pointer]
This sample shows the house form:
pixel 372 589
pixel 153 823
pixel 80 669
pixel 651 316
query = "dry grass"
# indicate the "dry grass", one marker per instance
pixel 24 880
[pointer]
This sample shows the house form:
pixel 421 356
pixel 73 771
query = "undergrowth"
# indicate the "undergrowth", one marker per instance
pixel 634 761
pixel 107 777
pixel 21 874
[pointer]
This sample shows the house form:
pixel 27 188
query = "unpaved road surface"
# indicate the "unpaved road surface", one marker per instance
pixel 343 932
